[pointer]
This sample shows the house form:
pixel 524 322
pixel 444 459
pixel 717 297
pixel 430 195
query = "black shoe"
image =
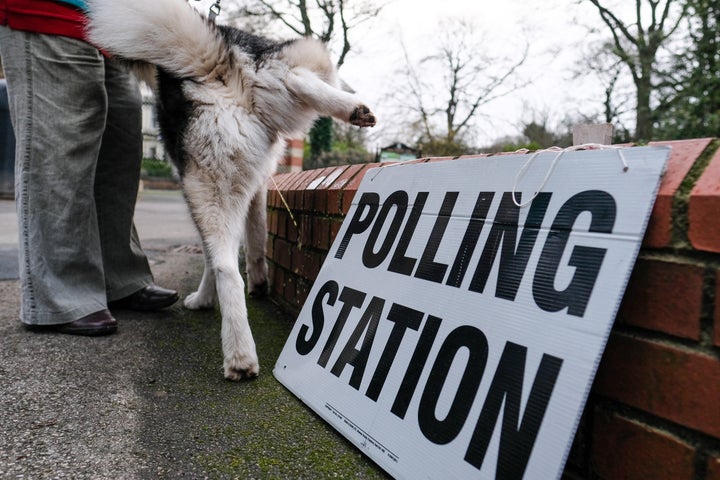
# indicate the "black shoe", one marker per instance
pixel 95 324
pixel 151 297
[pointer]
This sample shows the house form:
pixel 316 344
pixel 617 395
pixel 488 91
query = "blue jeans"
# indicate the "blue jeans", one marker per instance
pixel 77 122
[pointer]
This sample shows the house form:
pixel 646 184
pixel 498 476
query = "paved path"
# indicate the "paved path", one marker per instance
pixel 150 402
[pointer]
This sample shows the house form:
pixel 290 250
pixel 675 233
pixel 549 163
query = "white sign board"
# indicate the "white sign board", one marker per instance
pixel 453 334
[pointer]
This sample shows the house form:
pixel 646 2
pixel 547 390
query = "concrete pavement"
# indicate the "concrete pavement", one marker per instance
pixel 151 402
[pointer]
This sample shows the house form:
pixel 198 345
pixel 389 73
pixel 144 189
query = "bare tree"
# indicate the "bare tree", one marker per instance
pixel 328 20
pixel 637 44
pixel 443 110
pixel 605 67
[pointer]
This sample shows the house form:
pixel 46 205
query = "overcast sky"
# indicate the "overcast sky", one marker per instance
pixel 555 29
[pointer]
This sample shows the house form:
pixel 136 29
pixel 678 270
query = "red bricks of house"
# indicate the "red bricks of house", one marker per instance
pixel 654 409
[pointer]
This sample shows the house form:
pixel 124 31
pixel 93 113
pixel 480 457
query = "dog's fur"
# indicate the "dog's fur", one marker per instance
pixel 226 102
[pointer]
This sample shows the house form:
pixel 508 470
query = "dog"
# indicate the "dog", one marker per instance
pixel 226 102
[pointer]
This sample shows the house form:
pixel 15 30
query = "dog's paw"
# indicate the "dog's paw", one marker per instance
pixel 241 367
pixel 362 117
pixel 196 301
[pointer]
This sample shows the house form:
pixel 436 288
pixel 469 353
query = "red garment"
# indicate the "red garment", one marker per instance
pixel 43 16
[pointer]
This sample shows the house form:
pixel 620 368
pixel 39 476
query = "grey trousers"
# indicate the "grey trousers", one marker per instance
pixel 77 123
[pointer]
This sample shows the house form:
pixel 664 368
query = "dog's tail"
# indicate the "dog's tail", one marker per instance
pixel 167 33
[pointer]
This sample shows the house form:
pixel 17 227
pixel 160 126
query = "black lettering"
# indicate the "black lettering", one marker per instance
pixel 586 260
pixel 403 318
pixel 516 441
pixel 368 325
pixel 304 345
pixel 416 366
pixel 469 241
pixel 444 431
pixel 399 262
pixel 429 269
pixel 350 298
pixel 359 224
pixel 513 262
pixel 399 201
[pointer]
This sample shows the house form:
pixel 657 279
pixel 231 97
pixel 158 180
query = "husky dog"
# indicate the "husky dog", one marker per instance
pixel 226 102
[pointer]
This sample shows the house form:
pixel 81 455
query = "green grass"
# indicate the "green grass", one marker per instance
pixel 253 429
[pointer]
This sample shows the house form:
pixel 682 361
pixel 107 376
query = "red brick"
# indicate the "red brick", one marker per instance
pixel 321 232
pixel 629 450
pixel 305 178
pixel 301 293
pixel 298 261
pixel 322 177
pixel 352 186
pixel 295 195
pixel 335 190
pixel 716 328
pixel 683 156
pixel 282 223
pixel 277 180
pixel 309 186
pixel 324 182
pixel 271 196
pixel 677 384
pixel 283 253
pixel 704 228
pixel 269 251
pixel 664 296
pixel 294 228
pixel 713 469
pixel 578 456
pixel 306 229
pixel 276 185
pixel 278 282
pixel 272 220
pixel 290 291
pixel 307 263
pixel 334 230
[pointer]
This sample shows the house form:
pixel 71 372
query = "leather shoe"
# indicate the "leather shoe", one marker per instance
pixel 151 297
pixel 98 323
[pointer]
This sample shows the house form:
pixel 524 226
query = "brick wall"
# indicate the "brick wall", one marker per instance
pixel 654 410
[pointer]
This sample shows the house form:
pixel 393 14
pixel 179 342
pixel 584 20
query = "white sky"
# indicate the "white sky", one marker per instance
pixel 554 29
pixel 550 27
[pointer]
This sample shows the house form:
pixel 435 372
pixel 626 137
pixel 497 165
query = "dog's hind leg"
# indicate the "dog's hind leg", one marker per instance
pixel 256 244
pixel 204 297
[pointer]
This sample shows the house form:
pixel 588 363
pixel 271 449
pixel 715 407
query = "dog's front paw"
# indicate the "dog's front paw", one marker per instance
pixel 241 367
pixel 197 301
pixel 362 117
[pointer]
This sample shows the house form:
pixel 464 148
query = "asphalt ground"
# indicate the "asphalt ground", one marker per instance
pixel 151 401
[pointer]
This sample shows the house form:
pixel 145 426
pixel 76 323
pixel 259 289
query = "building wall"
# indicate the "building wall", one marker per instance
pixel 654 409
pixel 152 145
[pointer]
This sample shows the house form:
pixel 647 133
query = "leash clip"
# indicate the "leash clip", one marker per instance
pixel 214 10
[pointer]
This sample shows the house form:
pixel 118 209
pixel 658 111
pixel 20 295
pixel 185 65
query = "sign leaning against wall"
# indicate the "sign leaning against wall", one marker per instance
pixel 457 323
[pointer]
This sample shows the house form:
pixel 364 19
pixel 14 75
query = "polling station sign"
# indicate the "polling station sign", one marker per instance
pixel 456 325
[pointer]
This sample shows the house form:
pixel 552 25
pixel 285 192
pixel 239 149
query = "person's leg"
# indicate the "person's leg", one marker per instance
pixel 58 106
pixel 116 186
